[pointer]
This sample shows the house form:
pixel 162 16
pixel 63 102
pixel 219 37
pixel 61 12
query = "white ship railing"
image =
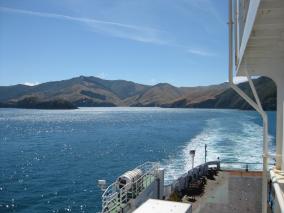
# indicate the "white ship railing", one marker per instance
pixel 114 198
pixel 276 196
pixel 248 166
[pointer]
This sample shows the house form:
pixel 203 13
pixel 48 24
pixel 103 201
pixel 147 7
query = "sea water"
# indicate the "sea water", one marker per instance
pixel 50 160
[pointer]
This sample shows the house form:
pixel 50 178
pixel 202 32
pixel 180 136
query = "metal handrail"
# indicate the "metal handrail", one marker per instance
pixel 277 189
pixel 243 165
pixel 240 162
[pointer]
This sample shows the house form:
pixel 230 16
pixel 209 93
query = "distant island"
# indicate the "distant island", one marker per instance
pixel 34 103
pixel 95 92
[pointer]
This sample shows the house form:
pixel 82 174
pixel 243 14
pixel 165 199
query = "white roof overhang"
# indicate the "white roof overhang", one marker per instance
pixel 262 47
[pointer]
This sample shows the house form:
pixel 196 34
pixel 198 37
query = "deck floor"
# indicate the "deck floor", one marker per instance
pixel 231 191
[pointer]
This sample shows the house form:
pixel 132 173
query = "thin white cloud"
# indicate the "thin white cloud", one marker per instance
pixel 206 6
pixel 101 75
pixel 200 52
pixel 31 83
pixel 153 81
pixel 239 79
pixel 126 31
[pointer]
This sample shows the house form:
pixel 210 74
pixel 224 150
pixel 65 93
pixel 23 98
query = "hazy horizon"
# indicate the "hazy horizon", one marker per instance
pixel 237 80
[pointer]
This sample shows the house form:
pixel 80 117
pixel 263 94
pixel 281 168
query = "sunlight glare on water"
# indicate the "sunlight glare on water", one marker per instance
pixel 51 159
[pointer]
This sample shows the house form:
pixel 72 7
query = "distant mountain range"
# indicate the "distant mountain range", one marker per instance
pixel 93 92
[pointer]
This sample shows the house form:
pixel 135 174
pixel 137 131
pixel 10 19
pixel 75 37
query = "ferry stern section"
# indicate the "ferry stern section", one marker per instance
pixel 256 44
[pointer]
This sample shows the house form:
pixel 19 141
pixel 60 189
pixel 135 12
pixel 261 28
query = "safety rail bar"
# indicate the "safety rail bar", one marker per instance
pixel 248 166
pixel 276 196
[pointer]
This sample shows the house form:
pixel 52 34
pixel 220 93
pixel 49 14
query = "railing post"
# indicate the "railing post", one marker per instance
pixel 136 189
pixel 119 198
pixel 205 152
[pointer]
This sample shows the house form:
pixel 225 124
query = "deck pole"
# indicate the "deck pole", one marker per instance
pixel 205 152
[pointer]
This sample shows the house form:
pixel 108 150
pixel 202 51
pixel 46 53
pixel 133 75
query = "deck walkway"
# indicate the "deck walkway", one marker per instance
pixel 231 191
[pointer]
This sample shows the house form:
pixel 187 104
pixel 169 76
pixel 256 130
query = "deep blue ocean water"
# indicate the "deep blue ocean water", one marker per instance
pixel 50 160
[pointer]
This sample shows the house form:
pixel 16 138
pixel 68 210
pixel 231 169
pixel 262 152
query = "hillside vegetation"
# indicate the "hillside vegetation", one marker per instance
pixel 93 92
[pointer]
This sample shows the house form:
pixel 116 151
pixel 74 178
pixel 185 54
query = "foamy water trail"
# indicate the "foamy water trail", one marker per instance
pixel 240 142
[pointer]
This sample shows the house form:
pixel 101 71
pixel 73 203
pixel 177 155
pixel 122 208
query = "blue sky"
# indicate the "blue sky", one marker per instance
pixel 182 42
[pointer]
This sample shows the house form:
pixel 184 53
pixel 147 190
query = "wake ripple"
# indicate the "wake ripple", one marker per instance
pixel 241 142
